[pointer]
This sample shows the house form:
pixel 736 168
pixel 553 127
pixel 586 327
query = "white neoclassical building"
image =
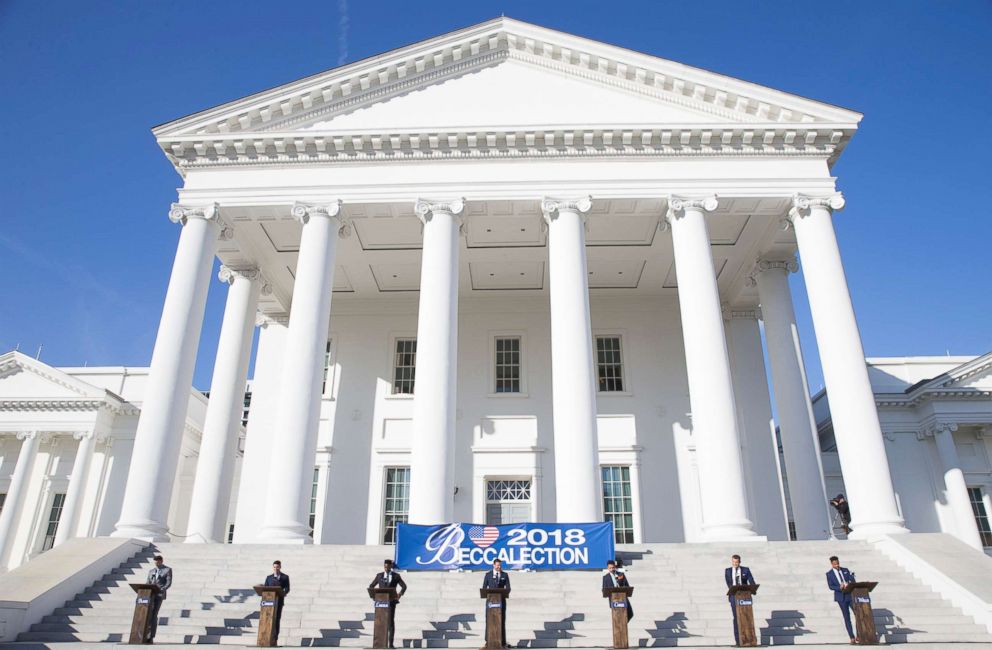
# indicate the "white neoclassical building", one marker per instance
pixel 509 274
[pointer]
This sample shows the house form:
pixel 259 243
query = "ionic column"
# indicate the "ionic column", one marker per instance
pixel 432 449
pixel 144 512
pixel 77 486
pixel 578 495
pixel 800 444
pixel 955 486
pixel 852 404
pixel 15 493
pixel 291 471
pixel 711 392
pixel 218 447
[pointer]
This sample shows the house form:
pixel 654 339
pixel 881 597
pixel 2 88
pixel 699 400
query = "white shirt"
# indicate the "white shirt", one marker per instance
pixel 737 575
pixel 840 580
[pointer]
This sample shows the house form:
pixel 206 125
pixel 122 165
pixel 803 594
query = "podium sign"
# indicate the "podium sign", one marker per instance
pixel 618 613
pixel 743 596
pixel 494 616
pixel 863 615
pixel 380 629
pixel 141 623
pixel 267 611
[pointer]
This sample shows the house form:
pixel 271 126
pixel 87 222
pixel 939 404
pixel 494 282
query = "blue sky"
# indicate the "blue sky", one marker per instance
pixel 86 248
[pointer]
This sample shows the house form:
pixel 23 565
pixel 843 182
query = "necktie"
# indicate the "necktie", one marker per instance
pixel 615 581
pixel 737 576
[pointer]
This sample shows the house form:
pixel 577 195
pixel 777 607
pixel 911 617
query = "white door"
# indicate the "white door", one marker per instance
pixel 508 501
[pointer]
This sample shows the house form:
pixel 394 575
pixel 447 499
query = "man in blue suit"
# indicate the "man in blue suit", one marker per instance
pixel 497 579
pixel 837 578
pixel 614 578
pixel 736 575
pixel 278 579
pixel 389 579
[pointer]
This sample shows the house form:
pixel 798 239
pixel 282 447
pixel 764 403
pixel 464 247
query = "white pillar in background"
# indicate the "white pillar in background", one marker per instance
pixel 218 447
pixel 711 392
pixel 578 492
pixel 291 470
pixel 152 472
pixel 77 486
pixel 15 492
pixel 955 486
pixel 800 444
pixel 434 394
pixel 860 446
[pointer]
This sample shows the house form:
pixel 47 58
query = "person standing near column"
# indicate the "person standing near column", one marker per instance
pixel 736 575
pixel 389 579
pixel 161 577
pixel 837 579
pixel 278 579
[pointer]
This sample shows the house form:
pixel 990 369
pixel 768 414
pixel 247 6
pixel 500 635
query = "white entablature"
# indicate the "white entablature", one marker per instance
pixel 506 89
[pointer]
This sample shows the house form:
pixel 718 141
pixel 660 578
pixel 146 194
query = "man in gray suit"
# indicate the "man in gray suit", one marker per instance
pixel 161 576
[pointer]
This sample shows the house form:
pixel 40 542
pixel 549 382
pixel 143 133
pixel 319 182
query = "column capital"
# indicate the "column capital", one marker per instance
pixel 304 212
pixel 425 209
pixel 81 435
pixel 789 265
pixel 934 429
pixel 181 214
pixel 228 274
pixel 740 312
pixel 678 205
pixel 264 320
pixel 801 204
pixel 24 436
pixel 552 207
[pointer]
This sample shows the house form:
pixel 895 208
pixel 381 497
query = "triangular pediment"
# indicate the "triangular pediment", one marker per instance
pixel 24 378
pixel 509 73
pixel 975 374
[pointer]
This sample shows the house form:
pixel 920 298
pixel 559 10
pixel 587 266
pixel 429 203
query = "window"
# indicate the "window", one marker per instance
pixel 313 500
pixel 326 378
pixel 793 536
pixel 508 501
pixel 404 366
pixel 609 364
pixel 618 505
pixel 247 407
pixel 230 533
pixel 3 498
pixel 396 502
pixel 53 521
pixel 507 364
pixel 981 515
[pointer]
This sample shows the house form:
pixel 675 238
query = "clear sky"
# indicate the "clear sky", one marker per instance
pixel 86 248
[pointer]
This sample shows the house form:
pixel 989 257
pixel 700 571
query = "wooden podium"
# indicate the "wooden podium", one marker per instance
pixel 618 613
pixel 743 596
pixel 267 611
pixel 380 630
pixel 494 616
pixel 863 616
pixel 141 624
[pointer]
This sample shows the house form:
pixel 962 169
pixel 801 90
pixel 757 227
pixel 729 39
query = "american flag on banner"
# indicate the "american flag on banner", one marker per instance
pixel 483 536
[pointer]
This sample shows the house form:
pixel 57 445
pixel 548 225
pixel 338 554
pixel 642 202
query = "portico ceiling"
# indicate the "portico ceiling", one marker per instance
pixel 504 247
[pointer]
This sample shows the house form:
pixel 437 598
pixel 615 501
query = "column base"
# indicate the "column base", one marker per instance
pixel 196 538
pixel 149 531
pixel 288 533
pixel 862 530
pixel 731 533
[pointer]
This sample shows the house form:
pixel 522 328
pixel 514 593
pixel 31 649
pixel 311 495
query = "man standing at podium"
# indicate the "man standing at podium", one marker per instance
pixel 736 575
pixel 837 579
pixel 390 580
pixel 614 578
pixel 278 579
pixel 161 577
pixel 497 579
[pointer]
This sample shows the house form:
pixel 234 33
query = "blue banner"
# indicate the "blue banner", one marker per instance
pixel 519 546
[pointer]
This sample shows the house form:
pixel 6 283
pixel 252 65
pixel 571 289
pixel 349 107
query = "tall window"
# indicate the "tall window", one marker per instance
pixel 246 409
pixel 3 498
pixel 404 366
pixel 609 364
pixel 53 521
pixel 507 364
pixel 313 500
pixel 618 505
pixel 230 533
pixel 396 501
pixel 981 515
pixel 326 380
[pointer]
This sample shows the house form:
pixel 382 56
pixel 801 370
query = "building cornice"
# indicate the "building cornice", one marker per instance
pixel 70 404
pixel 897 400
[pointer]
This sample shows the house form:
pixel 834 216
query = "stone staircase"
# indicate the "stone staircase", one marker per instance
pixel 678 599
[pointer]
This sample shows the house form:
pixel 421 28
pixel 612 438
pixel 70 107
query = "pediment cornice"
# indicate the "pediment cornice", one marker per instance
pixel 85 397
pixel 263 128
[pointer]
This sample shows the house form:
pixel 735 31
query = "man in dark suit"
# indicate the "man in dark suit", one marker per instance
pixel 278 579
pixel 497 579
pixel 391 580
pixel 736 575
pixel 837 579
pixel 161 576
pixel 614 578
